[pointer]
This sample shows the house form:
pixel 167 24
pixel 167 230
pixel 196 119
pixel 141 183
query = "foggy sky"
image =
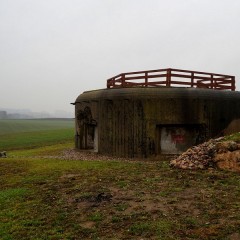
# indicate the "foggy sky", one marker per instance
pixel 53 50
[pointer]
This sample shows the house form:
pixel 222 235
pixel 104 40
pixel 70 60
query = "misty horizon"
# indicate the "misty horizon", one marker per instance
pixel 28 113
pixel 52 51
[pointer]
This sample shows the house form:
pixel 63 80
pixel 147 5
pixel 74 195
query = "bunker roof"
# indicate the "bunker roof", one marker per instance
pixel 156 92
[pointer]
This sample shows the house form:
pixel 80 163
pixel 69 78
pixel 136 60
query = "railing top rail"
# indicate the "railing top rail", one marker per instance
pixel 171 69
pixel 198 72
pixel 148 71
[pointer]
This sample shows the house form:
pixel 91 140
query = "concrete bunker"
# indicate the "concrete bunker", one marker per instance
pixel 149 113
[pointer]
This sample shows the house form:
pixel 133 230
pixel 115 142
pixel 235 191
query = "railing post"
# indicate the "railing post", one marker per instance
pixel 123 80
pixel 233 84
pixel 212 86
pixel 146 79
pixel 192 79
pixel 168 78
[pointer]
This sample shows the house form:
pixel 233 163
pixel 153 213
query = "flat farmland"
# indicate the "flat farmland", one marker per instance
pixel 18 134
pixel 17 126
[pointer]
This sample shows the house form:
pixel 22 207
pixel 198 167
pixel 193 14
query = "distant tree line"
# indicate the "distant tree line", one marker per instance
pixel 5 115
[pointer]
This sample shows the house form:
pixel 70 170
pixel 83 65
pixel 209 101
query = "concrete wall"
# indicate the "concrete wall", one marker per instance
pixel 144 122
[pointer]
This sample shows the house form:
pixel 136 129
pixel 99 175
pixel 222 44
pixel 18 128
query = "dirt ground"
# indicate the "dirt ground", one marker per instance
pixel 150 200
pixel 101 197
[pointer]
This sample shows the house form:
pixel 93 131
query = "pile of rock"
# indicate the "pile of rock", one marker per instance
pixel 208 155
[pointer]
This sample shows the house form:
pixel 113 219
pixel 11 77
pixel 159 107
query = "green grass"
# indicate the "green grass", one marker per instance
pixel 12 194
pixel 48 199
pixel 29 134
pixel 13 126
pixel 51 198
pixel 28 140
pixel 141 229
pixel 43 150
pixel 30 207
pixel 96 217
pixel 233 137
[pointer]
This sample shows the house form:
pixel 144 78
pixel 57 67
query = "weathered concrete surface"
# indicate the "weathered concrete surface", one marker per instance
pixel 133 122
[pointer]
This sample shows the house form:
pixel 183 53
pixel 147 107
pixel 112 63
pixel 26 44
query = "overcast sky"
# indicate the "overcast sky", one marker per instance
pixel 53 50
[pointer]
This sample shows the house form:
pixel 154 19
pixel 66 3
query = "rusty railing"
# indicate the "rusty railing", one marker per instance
pixel 171 78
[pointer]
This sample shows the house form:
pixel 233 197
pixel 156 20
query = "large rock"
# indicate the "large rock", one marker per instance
pixel 228 160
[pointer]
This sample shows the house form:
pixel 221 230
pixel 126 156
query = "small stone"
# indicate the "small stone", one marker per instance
pixel 3 154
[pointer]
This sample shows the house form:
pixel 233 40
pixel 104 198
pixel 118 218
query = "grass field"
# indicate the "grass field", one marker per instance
pixel 43 196
pixel 19 134
pixel 13 126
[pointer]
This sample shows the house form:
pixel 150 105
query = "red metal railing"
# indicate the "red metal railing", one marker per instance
pixel 172 77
